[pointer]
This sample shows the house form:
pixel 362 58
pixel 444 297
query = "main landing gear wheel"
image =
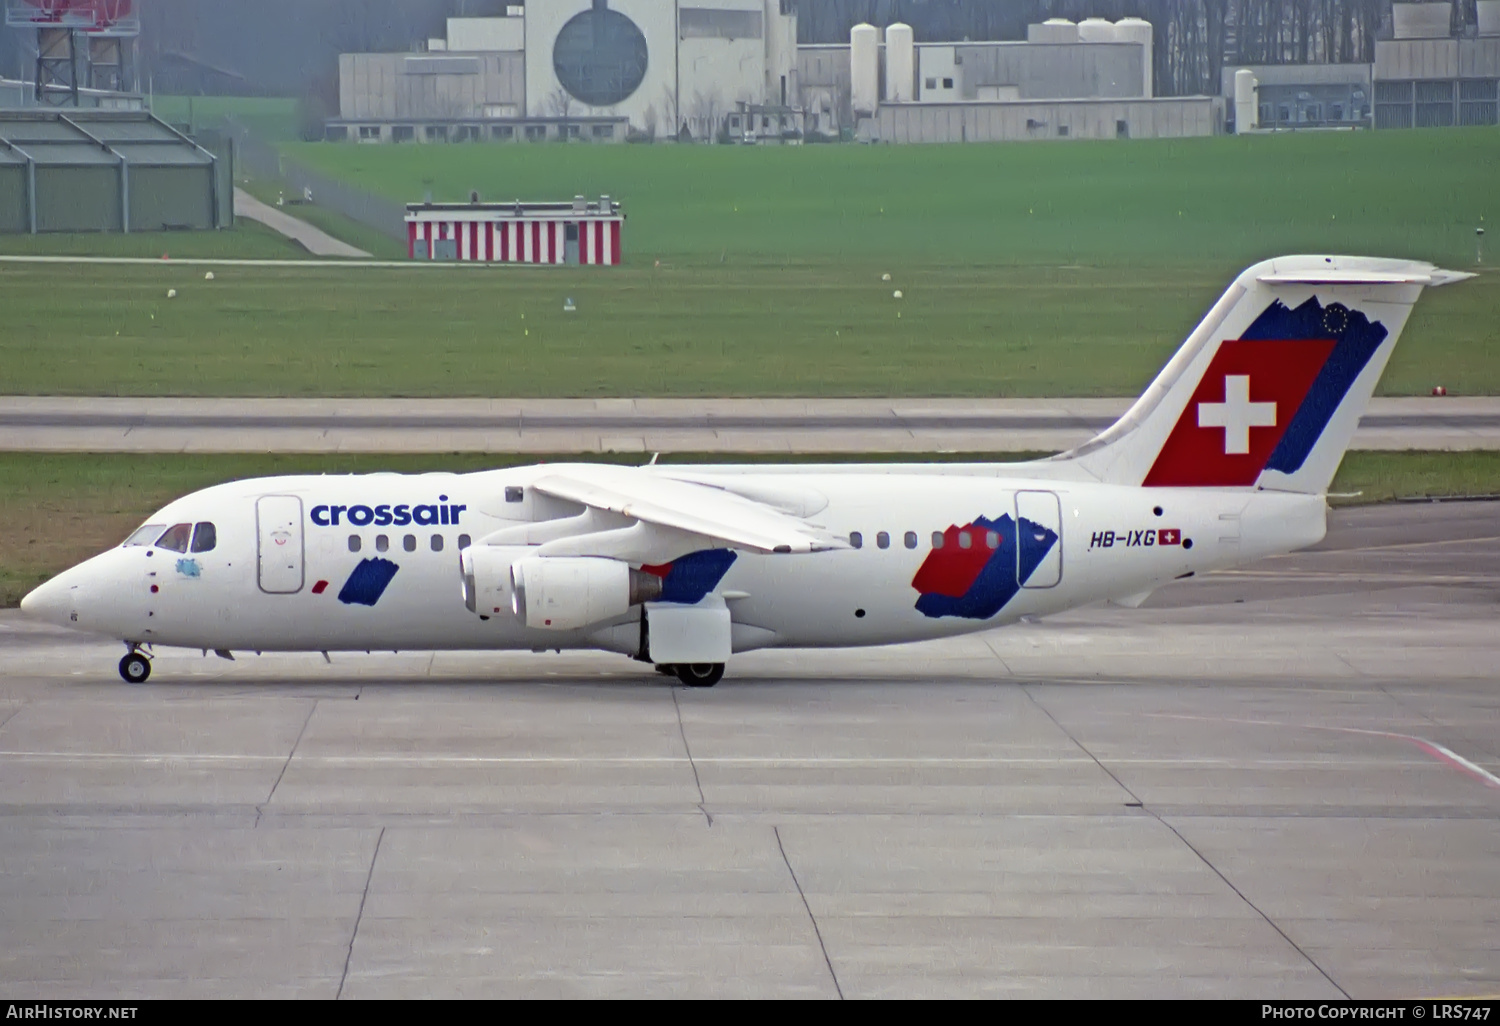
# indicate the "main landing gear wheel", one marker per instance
pixel 135 668
pixel 666 669
pixel 700 675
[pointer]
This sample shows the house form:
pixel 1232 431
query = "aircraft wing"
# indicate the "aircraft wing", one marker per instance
pixel 641 495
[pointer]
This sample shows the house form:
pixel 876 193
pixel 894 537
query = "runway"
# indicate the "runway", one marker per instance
pixel 1282 782
pixel 104 424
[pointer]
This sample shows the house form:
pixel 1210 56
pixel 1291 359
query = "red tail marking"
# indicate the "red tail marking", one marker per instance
pixel 1227 432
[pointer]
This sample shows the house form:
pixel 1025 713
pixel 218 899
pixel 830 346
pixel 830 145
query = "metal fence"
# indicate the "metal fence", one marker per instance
pixel 261 159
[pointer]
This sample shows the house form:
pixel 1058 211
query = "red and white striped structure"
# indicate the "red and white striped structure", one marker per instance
pixel 580 232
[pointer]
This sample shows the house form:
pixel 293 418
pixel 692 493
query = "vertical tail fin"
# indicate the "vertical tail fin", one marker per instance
pixel 1269 388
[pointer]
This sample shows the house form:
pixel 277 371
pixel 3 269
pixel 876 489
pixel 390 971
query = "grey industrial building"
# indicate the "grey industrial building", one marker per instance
pixel 80 170
pixel 576 69
pixel 1425 76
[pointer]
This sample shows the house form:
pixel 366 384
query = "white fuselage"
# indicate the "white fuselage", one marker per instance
pixel 1111 543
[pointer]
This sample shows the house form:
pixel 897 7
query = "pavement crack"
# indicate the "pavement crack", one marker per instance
pixel 810 917
pixel 1252 905
pixel 12 716
pixel 682 732
pixel 360 915
pixel 1135 801
pixel 1000 658
pixel 289 756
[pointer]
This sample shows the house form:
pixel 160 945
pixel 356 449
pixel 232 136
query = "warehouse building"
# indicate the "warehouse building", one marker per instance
pixel 1426 77
pixel 107 171
pixel 607 70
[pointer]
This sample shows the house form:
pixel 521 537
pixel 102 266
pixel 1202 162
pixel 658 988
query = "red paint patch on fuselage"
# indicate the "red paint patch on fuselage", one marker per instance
pixel 318 589
pixel 952 570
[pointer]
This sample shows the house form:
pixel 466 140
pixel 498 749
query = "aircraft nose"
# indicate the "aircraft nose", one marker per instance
pixel 52 602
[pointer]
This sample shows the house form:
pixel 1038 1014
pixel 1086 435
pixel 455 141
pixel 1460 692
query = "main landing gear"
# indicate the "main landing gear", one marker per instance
pixel 698 675
pixel 135 667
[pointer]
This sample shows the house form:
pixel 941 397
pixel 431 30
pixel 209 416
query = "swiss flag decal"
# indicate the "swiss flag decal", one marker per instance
pixel 1238 412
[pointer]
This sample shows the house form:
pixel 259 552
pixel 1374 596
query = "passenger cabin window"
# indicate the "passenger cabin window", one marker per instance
pixel 205 537
pixel 382 543
pixel 883 540
pixel 937 539
pixel 144 535
pixel 992 539
pixel 409 543
pixel 176 538
pixel 437 543
pixel 964 541
pixel 911 539
pixel 856 540
pixel 354 543
pixel 463 541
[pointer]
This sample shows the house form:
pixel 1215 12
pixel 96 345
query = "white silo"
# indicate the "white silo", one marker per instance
pixel 1138 30
pixel 1246 101
pixel 1053 30
pixel 900 64
pixel 1096 30
pixel 864 68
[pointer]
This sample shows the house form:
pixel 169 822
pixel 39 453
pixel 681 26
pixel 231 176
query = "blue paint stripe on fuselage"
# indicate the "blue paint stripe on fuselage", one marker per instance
pixel 693 576
pixel 998 582
pixel 367 582
pixel 1356 338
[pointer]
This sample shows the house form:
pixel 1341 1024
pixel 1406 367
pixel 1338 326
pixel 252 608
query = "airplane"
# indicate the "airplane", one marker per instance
pixel 1226 458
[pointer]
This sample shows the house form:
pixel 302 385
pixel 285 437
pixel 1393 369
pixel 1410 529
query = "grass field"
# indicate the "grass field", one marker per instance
pixel 670 331
pixel 1027 270
pixel 376 243
pixel 272 118
pixel 247 240
pixel 1219 203
pixel 62 508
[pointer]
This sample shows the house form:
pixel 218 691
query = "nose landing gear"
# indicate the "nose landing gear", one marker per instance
pixel 135 667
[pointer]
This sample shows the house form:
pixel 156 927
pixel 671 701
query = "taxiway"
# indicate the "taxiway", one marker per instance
pixel 1282 782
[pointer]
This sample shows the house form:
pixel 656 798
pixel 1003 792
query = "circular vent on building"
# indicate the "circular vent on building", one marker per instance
pixel 600 56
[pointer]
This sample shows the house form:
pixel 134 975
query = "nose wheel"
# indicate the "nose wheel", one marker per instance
pixel 700 675
pixel 135 667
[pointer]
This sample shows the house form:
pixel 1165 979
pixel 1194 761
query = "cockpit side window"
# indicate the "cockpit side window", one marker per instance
pixel 175 539
pixel 144 535
pixel 205 537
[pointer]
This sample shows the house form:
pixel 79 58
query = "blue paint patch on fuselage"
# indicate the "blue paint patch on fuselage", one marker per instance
pixel 189 568
pixel 1356 338
pixel 1035 542
pixel 367 582
pixel 695 575
pixel 998 582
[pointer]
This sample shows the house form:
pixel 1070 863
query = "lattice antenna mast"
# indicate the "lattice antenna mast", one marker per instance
pixel 79 43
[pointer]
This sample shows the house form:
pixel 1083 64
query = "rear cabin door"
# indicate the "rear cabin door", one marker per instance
pixel 278 526
pixel 1038 539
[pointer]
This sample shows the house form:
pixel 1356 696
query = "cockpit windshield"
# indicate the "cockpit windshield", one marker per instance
pixel 144 535
pixel 205 537
pixel 176 537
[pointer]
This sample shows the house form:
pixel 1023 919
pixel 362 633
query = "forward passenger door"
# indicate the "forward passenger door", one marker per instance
pixel 279 543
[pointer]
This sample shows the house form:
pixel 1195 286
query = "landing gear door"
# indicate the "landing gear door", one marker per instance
pixel 278 526
pixel 1038 539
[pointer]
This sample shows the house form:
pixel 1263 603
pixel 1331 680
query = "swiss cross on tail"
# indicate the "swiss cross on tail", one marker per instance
pixel 1267 396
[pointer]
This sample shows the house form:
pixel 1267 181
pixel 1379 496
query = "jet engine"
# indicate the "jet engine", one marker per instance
pixel 562 593
pixel 485 571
